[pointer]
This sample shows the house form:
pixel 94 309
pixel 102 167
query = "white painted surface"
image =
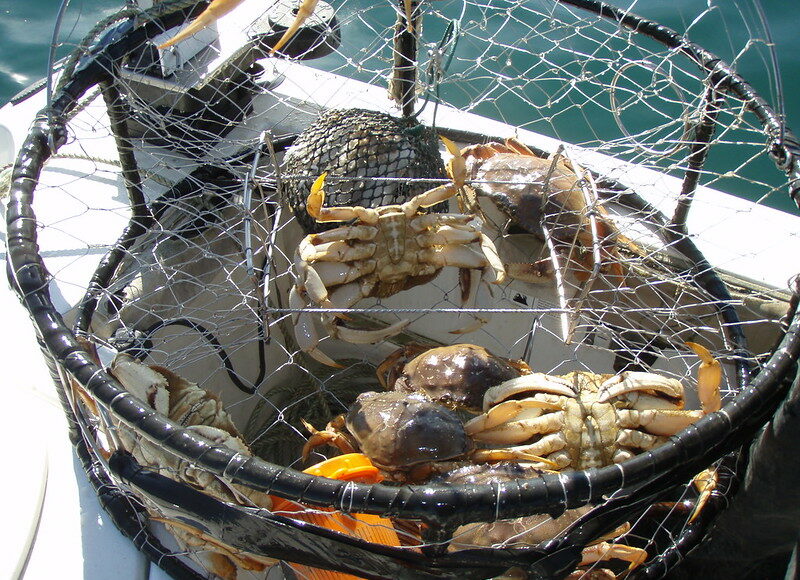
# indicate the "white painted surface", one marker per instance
pixel 75 538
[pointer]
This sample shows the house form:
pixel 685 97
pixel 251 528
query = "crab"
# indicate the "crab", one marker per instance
pixel 386 250
pixel 540 196
pixel 529 530
pixel 201 413
pixel 582 420
pixel 406 436
pixel 455 376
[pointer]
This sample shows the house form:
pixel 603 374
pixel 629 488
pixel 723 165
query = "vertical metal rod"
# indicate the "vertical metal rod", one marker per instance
pixel 247 202
pixel 700 148
pixel 561 288
pixel 590 200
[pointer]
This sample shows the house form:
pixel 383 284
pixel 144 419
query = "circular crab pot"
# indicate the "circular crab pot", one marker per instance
pixel 551 372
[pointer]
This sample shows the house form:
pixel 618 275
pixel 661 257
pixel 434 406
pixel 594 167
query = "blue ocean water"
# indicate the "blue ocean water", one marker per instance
pixel 26 30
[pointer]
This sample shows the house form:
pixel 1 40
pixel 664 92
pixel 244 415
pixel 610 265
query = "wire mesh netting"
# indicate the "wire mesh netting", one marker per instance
pixel 465 260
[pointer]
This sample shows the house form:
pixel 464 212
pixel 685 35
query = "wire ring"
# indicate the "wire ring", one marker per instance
pixel 615 110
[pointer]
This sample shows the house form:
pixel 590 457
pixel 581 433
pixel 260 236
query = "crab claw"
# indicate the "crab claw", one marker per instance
pixel 326 437
pixel 709 379
pixel 706 483
pixel 304 330
pixel 606 551
pixel 316 197
pixel 456 167
pixel 216 10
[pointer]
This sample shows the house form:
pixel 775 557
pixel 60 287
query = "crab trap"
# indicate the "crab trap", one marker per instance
pixel 409 289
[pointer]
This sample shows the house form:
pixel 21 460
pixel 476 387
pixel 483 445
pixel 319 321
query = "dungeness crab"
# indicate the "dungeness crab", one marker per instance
pixel 582 420
pixel 455 376
pixel 533 193
pixel 406 436
pixel 528 531
pixel 386 250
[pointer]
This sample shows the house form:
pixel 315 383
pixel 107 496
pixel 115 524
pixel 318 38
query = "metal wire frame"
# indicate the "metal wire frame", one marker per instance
pixel 634 485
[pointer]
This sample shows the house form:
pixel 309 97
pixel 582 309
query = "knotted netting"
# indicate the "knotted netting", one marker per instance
pixel 297 330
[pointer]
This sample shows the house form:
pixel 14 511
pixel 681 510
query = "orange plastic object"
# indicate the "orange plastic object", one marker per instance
pixel 349 467
pixel 372 528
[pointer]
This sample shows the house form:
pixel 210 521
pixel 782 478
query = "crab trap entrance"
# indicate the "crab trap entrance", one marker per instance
pixel 481 325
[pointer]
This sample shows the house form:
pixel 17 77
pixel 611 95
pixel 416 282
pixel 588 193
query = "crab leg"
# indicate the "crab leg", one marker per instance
pixel 304 330
pixel 312 283
pixel 540 272
pixel 524 409
pixel 522 428
pixel 606 551
pixel 327 437
pixel 458 256
pixel 473 291
pixel 512 454
pixel 525 384
pixel 315 207
pixel 428 220
pixel 658 421
pixel 518 147
pixel 355 336
pixel 343 298
pixel 462 234
pixel 305 10
pixel 343 233
pixel 457 170
pixel 339 251
pixel 632 382
pixel 496 272
pixel 429 198
pixel 479 293
pixel 337 274
pixel 709 379
pixel 706 484
pixel 216 10
pixel 639 440
pixel 544 446
pixel 447 235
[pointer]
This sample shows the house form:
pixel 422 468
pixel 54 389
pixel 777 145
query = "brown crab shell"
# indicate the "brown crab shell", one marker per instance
pixel 516 184
pixel 398 431
pixel 457 376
